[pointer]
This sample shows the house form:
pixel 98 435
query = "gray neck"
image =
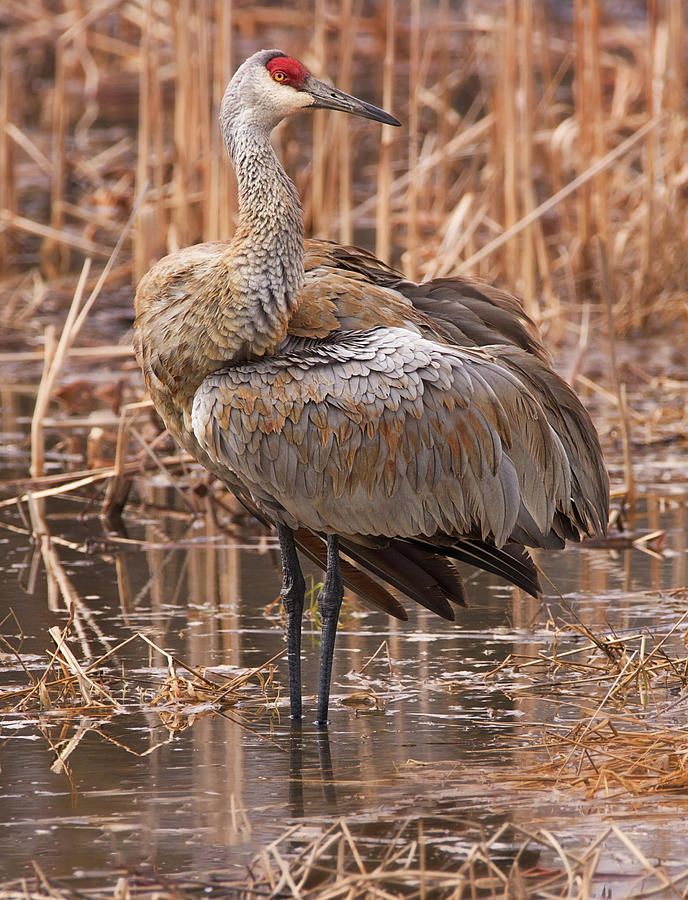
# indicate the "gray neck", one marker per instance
pixel 267 249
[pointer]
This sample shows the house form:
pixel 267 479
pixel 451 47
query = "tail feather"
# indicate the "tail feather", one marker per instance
pixel 511 562
pixel 442 571
pixel 416 568
pixel 403 573
pixel 313 546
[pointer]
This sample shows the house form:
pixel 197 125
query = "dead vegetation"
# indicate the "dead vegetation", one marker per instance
pixel 614 757
pixel 620 700
pixel 618 729
pixel 618 733
pixel 342 861
pixel 547 157
pixel 543 155
pixel 72 699
pixel 511 861
pixel 527 139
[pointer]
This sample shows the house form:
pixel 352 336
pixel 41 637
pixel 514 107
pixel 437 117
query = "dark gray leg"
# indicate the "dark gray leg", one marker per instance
pixel 329 606
pixel 292 593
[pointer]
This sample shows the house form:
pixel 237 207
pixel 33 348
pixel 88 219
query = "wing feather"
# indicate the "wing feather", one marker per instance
pixel 481 439
pixel 428 411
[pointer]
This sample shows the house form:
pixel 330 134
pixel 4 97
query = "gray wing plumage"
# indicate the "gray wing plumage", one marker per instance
pixel 419 421
pixel 387 433
pixel 471 313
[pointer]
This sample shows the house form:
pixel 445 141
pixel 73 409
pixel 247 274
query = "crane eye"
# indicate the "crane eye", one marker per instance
pixel 279 76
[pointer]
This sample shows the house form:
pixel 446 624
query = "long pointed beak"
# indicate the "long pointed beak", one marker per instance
pixel 327 97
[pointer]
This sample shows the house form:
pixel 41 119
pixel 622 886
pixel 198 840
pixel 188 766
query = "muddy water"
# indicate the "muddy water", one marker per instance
pixel 439 746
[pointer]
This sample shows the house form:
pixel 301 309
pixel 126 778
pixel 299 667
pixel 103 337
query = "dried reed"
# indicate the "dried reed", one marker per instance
pixel 626 737
pixel 526 141
pixel 341 862
pixel 82 697
pixel 132 91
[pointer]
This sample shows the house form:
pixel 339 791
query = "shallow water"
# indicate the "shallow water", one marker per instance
pixel 442 748
pixel 206 799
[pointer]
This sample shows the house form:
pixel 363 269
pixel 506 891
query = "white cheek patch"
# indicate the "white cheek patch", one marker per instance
pixel 282 98
pixel 299 99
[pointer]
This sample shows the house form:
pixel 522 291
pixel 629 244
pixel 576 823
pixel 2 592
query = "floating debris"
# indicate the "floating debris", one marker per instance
pixel 77 698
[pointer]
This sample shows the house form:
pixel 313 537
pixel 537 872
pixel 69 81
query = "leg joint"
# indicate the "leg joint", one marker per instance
pixel 293 587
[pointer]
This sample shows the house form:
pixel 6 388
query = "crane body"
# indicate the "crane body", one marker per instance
pixel 383 427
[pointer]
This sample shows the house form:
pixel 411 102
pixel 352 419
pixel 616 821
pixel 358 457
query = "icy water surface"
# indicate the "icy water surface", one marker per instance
pixel 441 747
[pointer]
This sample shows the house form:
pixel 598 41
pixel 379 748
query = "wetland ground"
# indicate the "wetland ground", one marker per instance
pixel 534 748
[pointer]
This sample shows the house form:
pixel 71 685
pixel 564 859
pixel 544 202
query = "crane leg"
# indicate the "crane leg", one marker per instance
pixel 329 605
pixel 292 593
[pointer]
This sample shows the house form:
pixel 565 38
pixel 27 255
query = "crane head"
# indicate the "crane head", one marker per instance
pixel 271 85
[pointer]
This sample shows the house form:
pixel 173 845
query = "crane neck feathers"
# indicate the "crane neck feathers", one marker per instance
pixel 266 254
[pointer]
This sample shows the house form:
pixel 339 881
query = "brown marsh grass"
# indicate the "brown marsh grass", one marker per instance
pixel 543 148
pixel 341 861
pixel 527 140
pixel 543 154
pixel 73 698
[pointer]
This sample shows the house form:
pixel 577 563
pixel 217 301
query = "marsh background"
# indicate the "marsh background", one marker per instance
pixel 543 148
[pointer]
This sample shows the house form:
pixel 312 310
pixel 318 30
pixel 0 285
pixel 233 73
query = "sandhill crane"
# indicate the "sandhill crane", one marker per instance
pixel 402 425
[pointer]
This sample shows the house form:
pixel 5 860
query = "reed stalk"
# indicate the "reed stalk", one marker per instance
pixel 508 116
